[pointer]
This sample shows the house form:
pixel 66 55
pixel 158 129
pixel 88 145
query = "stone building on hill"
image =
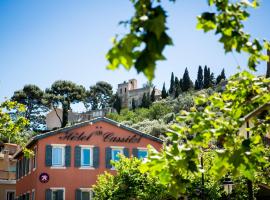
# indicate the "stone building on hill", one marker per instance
pixel 129 91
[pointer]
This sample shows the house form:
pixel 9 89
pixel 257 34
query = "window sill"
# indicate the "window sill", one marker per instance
pixel 89 168
pixel 58 167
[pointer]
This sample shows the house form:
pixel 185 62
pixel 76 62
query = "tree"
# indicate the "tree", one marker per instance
pixel 153 96
pixel 99 96
pixel 199 81
pixel 213 124
pixel 129 183
pixel 31 96
pixel 117 103
pixel 207 77
pixel 172 85
pixel 146 101
pixel 148 26
pixel 64 93
pixel 177 87
pixel 268 65
pixel 164 92
pixel 221 76
pixel 187 83
pixel 133 104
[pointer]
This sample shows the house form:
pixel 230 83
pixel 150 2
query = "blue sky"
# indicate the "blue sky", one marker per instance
pixel 44 41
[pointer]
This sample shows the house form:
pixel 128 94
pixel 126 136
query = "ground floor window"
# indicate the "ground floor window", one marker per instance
pixel 55 194
pixel 10 195
pixel 84 194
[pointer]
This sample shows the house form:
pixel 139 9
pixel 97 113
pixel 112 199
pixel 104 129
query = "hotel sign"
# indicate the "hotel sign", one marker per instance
pixel 107 137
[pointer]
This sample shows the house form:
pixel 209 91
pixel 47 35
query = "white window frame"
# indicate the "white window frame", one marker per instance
pixel 53 189
pixel 35 159
pixel 117 148
pixel 142 149
pixel 62 146
pixel 90 190
pixel 91 156
pixel 6 192
pixel 33 192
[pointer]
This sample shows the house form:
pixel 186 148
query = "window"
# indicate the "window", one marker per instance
pixel 58 156
pixel 86 157
pixel 10 195
pixel 142 153
pixel 35 158
pixel 86 194
pixel 115 153
pixel 57 194
pixel 33 195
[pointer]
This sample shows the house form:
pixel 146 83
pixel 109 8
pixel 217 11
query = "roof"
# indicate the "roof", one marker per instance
pixel 99 119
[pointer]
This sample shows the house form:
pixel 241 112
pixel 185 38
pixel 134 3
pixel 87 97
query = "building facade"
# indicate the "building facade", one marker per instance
pixel 129 91
pixel 67 161
pixel 7 171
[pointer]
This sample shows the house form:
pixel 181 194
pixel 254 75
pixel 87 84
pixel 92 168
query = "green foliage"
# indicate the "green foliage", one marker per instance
pixel 129 183
pixel 152 96
pixel 64 93
pixel 146 100
pixel 213 124
pixel 221 77
pixel 199 81
pixel 145 42
pixel 228 22
pixel 99 96
pixel 31 96
pixel 116 103
pixel 13 125
pixel 172 85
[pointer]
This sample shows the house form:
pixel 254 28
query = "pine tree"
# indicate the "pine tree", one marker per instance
pixel 152 97
pixel 199 82
pixel 164 92
pixel 172 86
pixel 221 76
pixel 187 83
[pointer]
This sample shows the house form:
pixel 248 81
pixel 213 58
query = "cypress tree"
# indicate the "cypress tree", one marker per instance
pixel 177 87
pixel 181 83
pixel 212 79
pixel 152 97
pixel 133 104
pixel 199 81
pixel 220 77
pixel 164 92
pixel 117 104
pixel 172 86
pixel 146 101
pixel 207 77
pixel 187 83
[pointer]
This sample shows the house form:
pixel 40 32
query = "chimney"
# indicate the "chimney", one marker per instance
pixel 268 65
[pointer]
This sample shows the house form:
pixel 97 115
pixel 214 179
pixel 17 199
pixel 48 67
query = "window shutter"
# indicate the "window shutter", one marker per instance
pixel 78 194
pixel 19 171
pixel 27 165
pixel 23 166
pixel 77 156
pixel 108 157
pixel 96 157
pixel 135 152
pixel 126 152
pixel 27 196
pixel 67 156
pixel 60 194
pixel 48 194
pixel 48 155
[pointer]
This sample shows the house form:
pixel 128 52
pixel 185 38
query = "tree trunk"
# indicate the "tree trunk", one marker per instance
pixel 268 65
pixel 65 114
pixel 250 190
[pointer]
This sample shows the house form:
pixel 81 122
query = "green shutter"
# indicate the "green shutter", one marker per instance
pixel 126 152
pixel 96 157
pixel 48 194
pixel 27 165
pixel 27 196
pixel 77 156
pixel 48 155
pixel 78 194
pixel 108 157
pixel 19 171
pixel 135 152
pixel 23 166
pixel 60 194
pixel 67 156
